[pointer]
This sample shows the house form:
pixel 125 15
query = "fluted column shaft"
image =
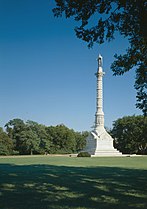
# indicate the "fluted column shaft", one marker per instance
pixel 99 115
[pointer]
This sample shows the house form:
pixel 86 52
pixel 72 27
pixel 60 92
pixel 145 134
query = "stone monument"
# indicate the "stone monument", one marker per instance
pixel 99 142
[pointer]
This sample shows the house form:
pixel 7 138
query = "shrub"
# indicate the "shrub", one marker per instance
pixel 83 154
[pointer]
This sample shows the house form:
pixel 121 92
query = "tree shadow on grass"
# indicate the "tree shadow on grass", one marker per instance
pixel 63 187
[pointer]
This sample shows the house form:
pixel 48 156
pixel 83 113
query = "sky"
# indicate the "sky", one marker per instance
pixel 47 73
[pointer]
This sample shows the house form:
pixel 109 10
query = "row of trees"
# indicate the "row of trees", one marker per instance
pixel 34 138
pixel 129 133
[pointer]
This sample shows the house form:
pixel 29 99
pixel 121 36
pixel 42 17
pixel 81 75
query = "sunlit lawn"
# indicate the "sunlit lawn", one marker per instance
pixel 45 182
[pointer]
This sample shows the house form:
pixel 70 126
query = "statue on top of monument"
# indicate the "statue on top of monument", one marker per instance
pixel 100 61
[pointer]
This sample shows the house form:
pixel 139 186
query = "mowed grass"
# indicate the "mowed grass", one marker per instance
pixel 45 182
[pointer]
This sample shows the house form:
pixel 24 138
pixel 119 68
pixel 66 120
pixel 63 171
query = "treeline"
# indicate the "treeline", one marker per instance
pixel 19 137
pixel 32 138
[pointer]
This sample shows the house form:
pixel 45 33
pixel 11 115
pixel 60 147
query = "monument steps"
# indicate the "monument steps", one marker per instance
pixel 107 153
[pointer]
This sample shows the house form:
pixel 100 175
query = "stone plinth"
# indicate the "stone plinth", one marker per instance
pixel 100 143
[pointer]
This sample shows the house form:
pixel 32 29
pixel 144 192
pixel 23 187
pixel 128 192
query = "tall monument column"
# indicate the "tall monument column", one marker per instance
pixel 99 142
pixel 99 115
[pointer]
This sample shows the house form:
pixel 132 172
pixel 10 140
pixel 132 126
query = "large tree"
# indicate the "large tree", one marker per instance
pixel 29 142
pixel 14 128
pixel 130 134
pixel 6 144
pixel 63 139
pixel 41 134
pixel 128 17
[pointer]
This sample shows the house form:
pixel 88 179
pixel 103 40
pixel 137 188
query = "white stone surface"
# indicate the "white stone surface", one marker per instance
pixel 99 142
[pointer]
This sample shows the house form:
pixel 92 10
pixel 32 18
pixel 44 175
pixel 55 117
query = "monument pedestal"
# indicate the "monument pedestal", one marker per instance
pixel 100 143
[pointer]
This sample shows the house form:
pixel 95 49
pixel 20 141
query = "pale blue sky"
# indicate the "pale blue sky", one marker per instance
pixel 47 74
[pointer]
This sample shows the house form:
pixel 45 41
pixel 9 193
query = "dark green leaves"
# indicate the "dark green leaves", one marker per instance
pixel 130 134
pixel 34 138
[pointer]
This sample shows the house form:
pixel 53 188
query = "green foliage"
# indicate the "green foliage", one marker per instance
pixel 6 144
pixel 34 138
pixel 14 128
pixel 29 142
pixel 83 154
pixel 130 134
pixel 81 140
pixel 65 140
pixel 126 17
pixel 43 140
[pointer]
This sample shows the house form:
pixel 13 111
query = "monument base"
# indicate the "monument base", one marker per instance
pixel 100 143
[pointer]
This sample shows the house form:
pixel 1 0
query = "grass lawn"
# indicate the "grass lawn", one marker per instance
pixel 44 182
